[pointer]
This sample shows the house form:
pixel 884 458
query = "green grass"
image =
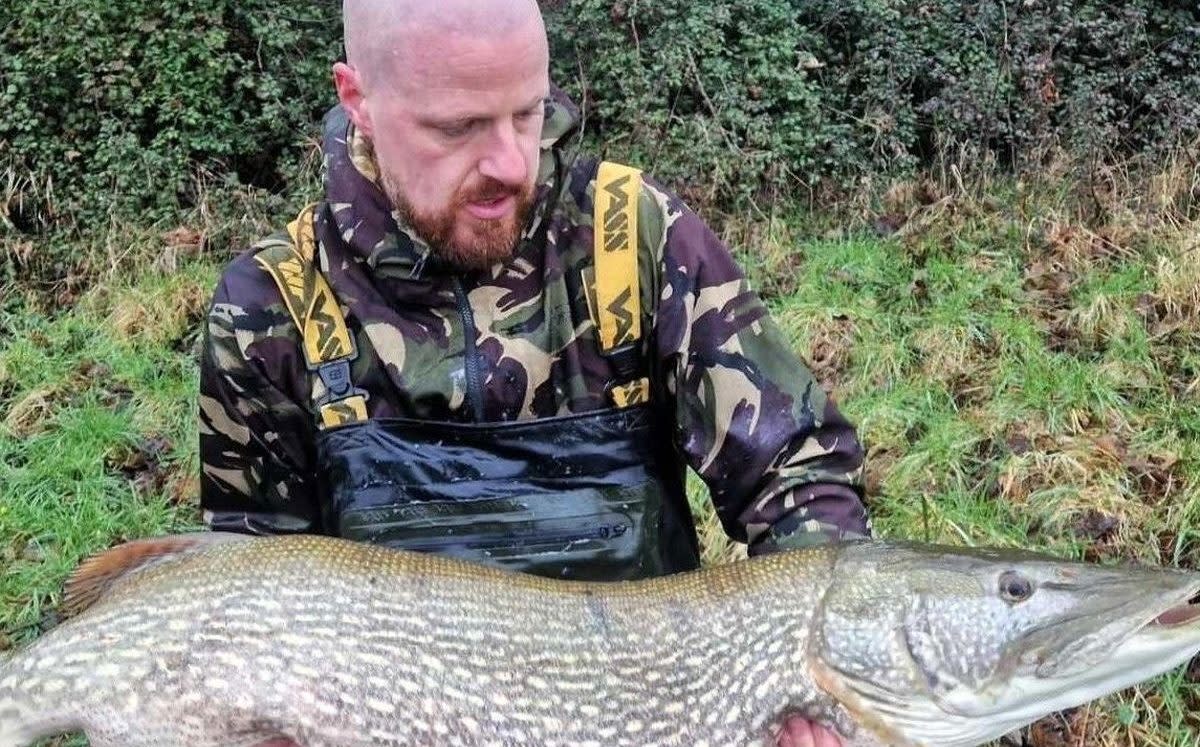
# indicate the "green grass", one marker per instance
pixel 97 432
pixel 1014 390
pixel 1011 388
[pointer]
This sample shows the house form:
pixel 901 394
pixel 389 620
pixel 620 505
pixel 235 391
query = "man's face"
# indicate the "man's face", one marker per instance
pixel 456 125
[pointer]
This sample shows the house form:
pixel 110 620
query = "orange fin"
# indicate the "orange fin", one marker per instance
pixel 98 574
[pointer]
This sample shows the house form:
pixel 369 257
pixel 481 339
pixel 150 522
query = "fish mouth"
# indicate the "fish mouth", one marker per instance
pixel 1170 631
pixel 1159 638
pixel 1177 616
pixel 1118 656
pixel 1163 625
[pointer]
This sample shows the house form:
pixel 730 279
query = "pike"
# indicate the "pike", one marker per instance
pixel 213 640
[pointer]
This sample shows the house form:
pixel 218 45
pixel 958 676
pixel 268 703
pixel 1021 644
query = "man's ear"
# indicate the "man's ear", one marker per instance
pixel 350 93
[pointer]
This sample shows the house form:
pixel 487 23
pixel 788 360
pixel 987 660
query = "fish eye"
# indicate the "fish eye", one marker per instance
pixel 1014 587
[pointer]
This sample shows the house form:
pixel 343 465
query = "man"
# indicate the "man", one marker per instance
pixel 482 344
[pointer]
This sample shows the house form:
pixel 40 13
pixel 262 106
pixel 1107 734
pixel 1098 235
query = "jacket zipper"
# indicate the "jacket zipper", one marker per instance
pixel 471 358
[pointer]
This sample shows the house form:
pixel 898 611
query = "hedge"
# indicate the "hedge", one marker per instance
pixel 107 108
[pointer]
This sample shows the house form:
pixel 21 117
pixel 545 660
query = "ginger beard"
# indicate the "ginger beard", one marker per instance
pixel 462 240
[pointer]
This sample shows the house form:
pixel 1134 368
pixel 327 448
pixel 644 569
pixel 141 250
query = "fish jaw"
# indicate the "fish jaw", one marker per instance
pixel 1167 641
pixel 912 683
pixel 1141 642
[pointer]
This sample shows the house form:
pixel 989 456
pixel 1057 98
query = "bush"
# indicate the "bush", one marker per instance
pixel 728 98
pixel 109 106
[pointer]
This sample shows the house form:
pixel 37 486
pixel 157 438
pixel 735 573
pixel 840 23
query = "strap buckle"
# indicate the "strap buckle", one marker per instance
pixel 335 375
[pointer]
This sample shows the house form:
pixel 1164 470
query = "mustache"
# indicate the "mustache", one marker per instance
pixel 491 191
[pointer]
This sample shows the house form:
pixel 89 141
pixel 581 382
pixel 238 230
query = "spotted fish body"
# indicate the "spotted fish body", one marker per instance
pixel 232 641
pixel 335 643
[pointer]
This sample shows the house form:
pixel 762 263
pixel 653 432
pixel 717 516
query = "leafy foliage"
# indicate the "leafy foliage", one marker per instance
pixel 110 107
pixel 747 95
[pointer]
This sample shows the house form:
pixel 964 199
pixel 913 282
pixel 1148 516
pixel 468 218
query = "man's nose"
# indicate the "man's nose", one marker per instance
pixel 504 160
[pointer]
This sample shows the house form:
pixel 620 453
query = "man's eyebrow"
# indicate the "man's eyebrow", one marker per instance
pixel 434 120
pixel 444 120
pixel 538 102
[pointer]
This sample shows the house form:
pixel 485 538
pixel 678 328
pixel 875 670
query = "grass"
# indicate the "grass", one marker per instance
pixel 1021 376
pixel 97 436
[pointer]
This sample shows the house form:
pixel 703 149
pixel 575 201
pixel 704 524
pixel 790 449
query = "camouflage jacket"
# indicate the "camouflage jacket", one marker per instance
pixel 782 465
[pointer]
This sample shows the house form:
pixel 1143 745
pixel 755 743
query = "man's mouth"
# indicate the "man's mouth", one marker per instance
pixel 491 208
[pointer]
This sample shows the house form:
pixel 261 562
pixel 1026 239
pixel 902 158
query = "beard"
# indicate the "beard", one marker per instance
pixel 468 244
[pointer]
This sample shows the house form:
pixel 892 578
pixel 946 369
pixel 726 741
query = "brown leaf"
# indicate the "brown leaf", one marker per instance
pixel 1096 526
pixel 1056 730
pixel 1109 444
pixel 1192 674
pixel 184 237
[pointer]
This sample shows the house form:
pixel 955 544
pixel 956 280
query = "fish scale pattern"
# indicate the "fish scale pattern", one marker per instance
pixel 337 643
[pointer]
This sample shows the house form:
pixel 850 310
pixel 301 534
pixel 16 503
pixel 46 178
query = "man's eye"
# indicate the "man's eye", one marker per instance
pixel 455 130
pixel 529 118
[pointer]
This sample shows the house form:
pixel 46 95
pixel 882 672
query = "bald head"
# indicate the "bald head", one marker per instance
pixel 383 36
pixel 451 95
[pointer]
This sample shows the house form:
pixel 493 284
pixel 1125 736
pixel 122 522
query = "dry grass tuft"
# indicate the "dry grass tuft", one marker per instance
pixel 1089 726
pixel 25 196
pixel 183 487
pixel 31 413
pixel 1102 320
pixel 1094 486
pixel 715 546
pixel 950 354
pixel 1077 247
pixel 62 266
pixel 160 314
pixel 1173 193
pixel 1177 286
pixel 824 341
pixel 19 253
pixel 180 244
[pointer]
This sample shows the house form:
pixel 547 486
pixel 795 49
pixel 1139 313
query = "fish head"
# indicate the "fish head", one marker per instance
pixel 950 647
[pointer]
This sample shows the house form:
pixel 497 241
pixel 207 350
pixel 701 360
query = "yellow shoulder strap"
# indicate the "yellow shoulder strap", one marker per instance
pixel 327 343
pixel 618 295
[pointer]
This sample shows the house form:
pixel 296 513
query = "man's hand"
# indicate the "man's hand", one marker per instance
pixel 799 732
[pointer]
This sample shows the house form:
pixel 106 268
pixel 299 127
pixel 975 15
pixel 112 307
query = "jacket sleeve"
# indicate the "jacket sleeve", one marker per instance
pixel 782 464
pixel 256 461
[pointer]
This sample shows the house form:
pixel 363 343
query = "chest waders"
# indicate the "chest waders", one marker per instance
pixel 595 496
